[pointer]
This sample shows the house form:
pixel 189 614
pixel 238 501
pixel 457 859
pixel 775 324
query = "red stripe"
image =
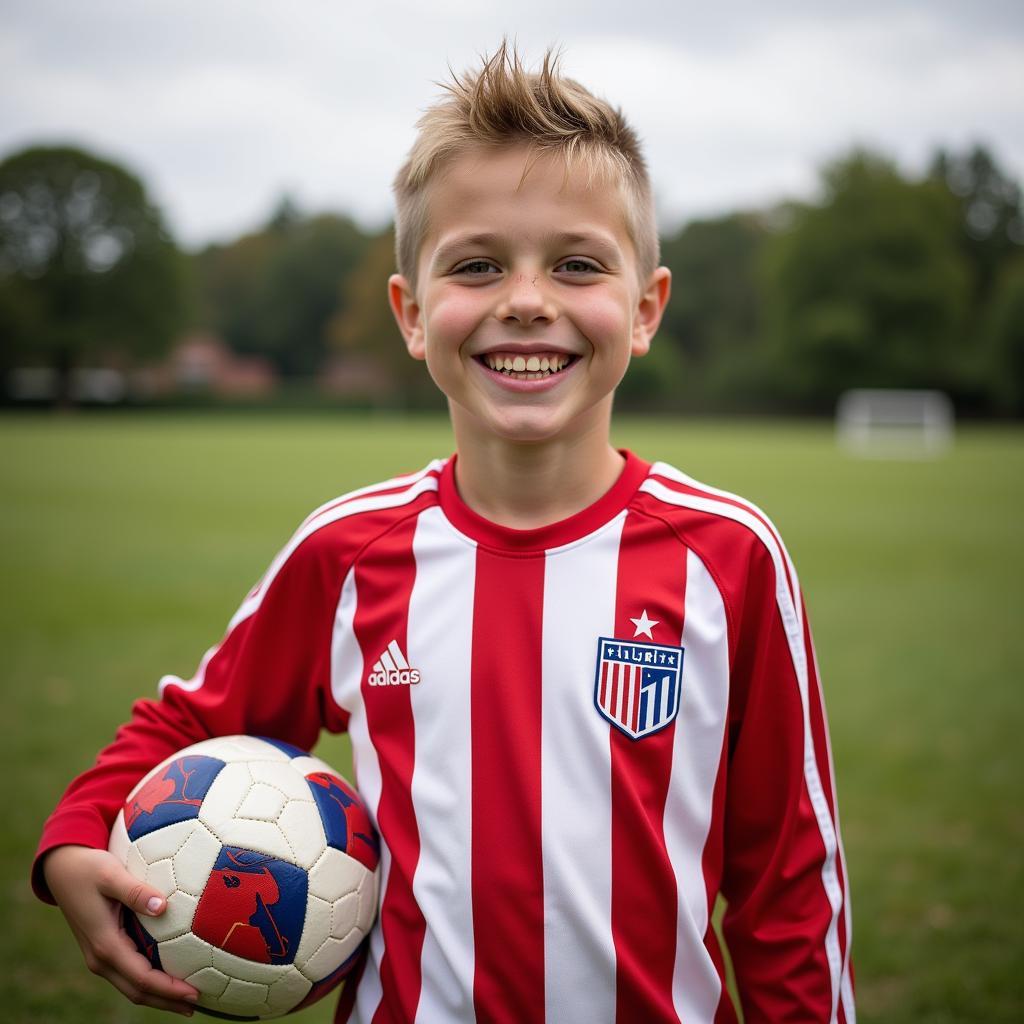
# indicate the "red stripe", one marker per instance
pixel 604 686
pixel 507 873
pixel 735 502
pixel 651 576
pixel 384 581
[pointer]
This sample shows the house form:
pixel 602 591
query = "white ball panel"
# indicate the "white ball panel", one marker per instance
pixel 368 896
pixel 247 970
pixel 262 802
pixel 238 748
pixel 288 991
pixel 225 796
pixel 119 841
pixel 335 874
pixel 160 875
pixel 344 915
pixel 305 831
pixel 187 955
pixel 329 957
pixel 282 777
pixel 135 864
pixel 164 842
pixel 210 982
pixel 309 764
pixel 194 861
pixel 244 995
pixel 175 920
pixel 315 931
pixel 258 836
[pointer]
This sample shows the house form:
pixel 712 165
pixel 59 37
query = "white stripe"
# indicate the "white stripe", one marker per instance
pixel 697 749
pixel 439 644
pixel 396 652
pixel 378 667
pixel 384 485
pixel 793 625
pixel 579 955
pixel 346 688
pixel 315 522
pixel 846 987
pixel 389 665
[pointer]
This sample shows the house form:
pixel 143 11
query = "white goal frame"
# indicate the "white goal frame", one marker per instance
pixel 894 424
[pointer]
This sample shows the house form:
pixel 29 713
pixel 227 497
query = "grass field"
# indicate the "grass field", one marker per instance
pixel 126 542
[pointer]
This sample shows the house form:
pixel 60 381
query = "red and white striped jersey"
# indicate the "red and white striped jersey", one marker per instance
pixel 570 738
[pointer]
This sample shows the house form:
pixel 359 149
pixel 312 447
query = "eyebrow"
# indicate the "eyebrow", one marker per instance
pixel 449 250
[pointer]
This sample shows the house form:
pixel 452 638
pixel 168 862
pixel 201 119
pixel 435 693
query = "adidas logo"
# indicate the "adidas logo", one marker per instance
pixel 391 669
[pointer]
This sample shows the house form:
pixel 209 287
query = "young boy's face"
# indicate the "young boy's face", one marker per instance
pixel 528 304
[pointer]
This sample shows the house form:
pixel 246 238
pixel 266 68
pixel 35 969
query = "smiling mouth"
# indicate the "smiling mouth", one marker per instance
pixel 531 367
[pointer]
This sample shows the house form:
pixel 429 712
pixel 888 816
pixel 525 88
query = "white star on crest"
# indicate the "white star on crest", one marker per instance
pixel 644 625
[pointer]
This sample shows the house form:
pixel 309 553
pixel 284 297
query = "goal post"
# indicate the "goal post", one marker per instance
pixel 901 424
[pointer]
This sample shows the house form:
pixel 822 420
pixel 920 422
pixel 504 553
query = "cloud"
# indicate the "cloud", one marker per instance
pixel 222 107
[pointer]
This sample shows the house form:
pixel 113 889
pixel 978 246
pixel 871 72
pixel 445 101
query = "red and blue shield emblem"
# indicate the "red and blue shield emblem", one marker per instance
pixel 637 685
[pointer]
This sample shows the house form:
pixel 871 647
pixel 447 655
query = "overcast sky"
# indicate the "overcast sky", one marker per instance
pixel 224 105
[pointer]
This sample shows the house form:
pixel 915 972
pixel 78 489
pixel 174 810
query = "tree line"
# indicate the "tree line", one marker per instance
pixel 884 280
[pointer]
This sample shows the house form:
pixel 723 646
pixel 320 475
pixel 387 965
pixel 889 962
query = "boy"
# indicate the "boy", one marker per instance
pixel 616 712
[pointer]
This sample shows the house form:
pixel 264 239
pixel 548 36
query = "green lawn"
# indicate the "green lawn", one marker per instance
pixel 126 542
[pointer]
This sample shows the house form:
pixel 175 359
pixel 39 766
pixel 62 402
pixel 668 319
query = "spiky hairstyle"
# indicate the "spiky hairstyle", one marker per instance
pixel 504 104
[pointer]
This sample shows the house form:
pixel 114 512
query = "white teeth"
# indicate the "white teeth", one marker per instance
pixel 526 367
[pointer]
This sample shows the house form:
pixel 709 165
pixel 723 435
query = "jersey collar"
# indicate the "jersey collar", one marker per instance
pixel 554 535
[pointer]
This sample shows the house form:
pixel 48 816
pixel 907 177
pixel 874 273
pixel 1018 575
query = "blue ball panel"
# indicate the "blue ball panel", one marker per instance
pixel 172 795
pixel 346 823
pixel 144 942
pixel 220 1014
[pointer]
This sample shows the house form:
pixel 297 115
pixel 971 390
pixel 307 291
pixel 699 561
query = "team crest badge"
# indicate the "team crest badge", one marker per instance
pixel 637 685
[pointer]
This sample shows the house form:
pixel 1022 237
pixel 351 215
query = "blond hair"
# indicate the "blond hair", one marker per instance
pixel 503 104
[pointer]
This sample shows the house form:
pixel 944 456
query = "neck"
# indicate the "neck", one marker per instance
pixel 525 485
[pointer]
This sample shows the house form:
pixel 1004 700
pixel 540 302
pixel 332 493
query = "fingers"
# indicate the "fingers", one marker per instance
pixel 90 887
pixel 132 974
pixel 141 997
pixel 117 883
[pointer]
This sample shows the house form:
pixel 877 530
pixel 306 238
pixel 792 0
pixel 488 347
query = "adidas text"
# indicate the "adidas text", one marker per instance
pixel 396 677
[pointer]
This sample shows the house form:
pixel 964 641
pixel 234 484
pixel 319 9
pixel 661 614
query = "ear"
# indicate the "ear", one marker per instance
pixel 649 310
pixel 407 315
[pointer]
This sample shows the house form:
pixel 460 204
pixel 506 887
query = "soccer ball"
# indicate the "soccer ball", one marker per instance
pixel 268 862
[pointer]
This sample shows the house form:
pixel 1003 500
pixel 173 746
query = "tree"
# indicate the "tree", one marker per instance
pixel 363 325
pixel 1004 330
pixel 867 289
pixel 714 316
pixel 991 213
pixel 87 267
pixel 273 292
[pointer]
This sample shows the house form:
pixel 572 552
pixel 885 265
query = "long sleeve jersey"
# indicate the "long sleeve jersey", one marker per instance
pixel 570 740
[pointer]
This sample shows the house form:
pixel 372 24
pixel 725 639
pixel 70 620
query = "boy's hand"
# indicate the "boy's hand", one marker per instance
pixel 89 886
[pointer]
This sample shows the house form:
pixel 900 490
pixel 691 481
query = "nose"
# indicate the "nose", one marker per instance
pixel 525 301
